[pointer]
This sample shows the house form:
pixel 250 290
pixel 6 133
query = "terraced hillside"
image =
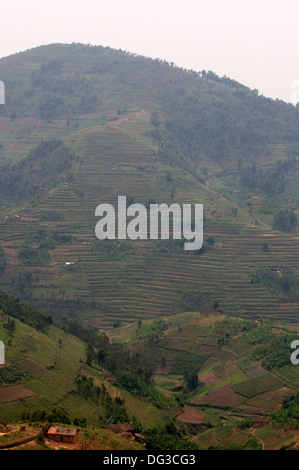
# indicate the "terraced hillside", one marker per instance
pixel 117 114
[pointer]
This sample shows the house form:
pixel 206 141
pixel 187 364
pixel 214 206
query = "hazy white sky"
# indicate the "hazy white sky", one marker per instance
pixel 253 41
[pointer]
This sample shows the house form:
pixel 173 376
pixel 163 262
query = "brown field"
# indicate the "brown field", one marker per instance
pixel 224 396
pixel 12 255
pixel 191 415
pixel 231 367
pixel 162 370
pixel 32 366
pixel 210 378
pixel 253 410
pixel 14 393
pixel 255 372
pixel 272 394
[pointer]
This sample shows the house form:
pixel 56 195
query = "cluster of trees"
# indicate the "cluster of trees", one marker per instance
pixel 289 414
pixel 225 119
pixel 115 410
pixel 231 125
pixel 24 312
pixel 51 215
pixel 131 370
pixel 29 256
pixel 170 246
pixel 194 302
pixel 56 415
pixel 271 349
pixel 279 281
pixel 228 327
pixel 10 326
pixel 2 261
pixel 285 220
pixel 34 250
pixel 52 78
pixel 47 240
pixel 271 181
pixel 51 107
pixel 139 383
pixel 111 248
pixel 46 73
pixel 274 352
pixel 190 380
pixel 258 334
pixel 145 330
pixel 10 374
pixel 167 437
pixel 43 168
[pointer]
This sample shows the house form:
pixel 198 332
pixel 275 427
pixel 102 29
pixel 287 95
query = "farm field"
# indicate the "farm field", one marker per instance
pixel 236 403
pixel 236 397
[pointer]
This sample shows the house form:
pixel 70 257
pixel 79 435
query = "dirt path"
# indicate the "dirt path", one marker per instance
pixel 258 438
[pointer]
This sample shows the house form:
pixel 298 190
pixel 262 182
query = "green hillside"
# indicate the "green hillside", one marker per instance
pixel 186 381
pixel 82 125
pixel 49 378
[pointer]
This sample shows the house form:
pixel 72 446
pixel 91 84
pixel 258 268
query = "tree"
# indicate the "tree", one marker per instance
pixel 285 220
pixel 211 241
pixel 10 325
pixel 191 379
pixel 89 353
pixel 100 356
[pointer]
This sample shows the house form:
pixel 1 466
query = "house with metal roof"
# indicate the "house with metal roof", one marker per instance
pixel 60 434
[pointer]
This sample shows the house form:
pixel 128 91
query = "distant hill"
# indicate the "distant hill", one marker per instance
pixel 84 124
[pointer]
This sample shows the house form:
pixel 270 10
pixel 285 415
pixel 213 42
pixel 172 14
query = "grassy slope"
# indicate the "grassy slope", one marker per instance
pixel 51 364
pixel 226 373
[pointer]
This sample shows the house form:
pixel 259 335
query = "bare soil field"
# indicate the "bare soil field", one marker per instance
pixel 210 378
pixel 14 393
pixel 224 396
pixel 191 415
